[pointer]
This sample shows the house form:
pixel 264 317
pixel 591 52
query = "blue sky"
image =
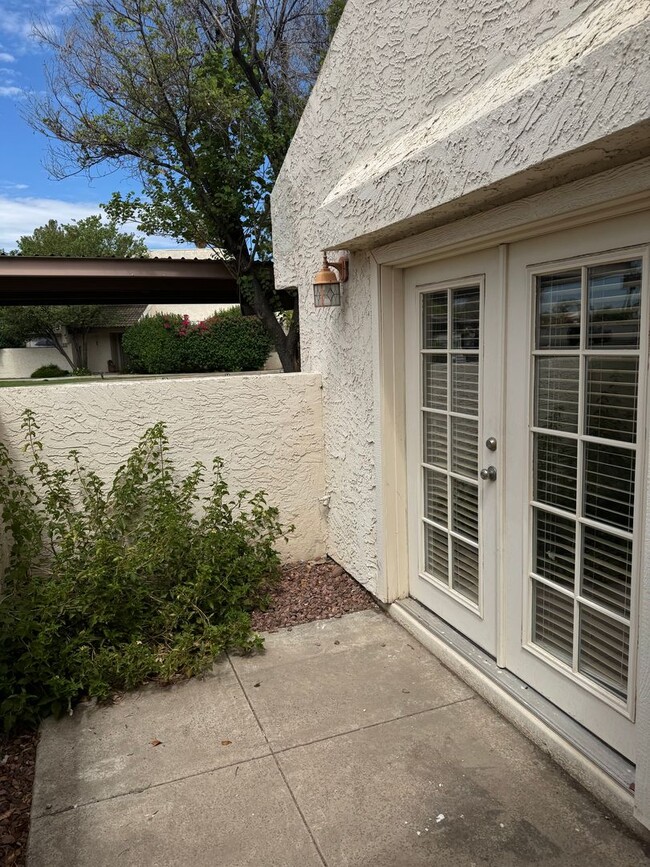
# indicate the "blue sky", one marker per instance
pixel 28 196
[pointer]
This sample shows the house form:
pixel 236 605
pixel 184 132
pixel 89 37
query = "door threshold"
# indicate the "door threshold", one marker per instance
pixel 600 769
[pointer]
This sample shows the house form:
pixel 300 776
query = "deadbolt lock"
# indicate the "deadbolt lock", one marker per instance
pixel 491 444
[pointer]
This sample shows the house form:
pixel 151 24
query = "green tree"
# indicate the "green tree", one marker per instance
pixel 19 324
pixel 200 100
pixel 89 237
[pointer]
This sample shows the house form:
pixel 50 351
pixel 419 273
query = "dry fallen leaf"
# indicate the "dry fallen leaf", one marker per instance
pixel 225 743
pixel 155 742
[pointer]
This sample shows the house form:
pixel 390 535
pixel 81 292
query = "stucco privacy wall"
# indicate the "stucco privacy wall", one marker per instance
pixel 267 428
pixel 423 114
pixel 21 363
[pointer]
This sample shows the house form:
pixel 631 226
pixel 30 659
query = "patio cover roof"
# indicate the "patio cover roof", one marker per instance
pixel 53 280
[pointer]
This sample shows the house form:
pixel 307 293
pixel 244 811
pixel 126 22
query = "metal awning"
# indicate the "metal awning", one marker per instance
pixel 53 280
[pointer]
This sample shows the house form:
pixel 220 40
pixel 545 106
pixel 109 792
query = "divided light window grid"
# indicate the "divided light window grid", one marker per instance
pixel 450 362
pixel 587 382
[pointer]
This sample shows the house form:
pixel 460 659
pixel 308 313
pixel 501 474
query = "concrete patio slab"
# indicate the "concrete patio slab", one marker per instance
pixel 233 816
pixel 453 786
pixel 101 752
pixel 347 679
pixel 427 775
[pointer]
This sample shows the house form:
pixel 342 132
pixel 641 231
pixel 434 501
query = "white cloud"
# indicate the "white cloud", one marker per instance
pixel 11 91
pixel 21 215
pixel 5 57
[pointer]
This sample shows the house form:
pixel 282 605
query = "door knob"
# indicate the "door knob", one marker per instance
pixel 488 473
pixel 491 444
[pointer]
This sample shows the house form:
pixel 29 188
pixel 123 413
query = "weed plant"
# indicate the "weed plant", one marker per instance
pixel 109 586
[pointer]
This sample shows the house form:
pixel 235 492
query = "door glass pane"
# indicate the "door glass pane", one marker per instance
pixel 435 381
pixel 555 548
pixel 435 496
pixel 435 439
pixel 604 650
pixel 556 399
pixel 436 553
pixel 464 446
pixel 434 320
pixel 553 621
pixel 558 310
pixel 607 570
pixel 614 305
pixel 464 384
pixel 592 399
pixel 555 471
pixel 464 508
pixel 609 485
pixel 450 441
pixel 466 305
pixel 464 574
pixel 611 397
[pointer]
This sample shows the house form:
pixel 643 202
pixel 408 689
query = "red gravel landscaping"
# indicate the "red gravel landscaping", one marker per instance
pixel 17 761
pixel 312 591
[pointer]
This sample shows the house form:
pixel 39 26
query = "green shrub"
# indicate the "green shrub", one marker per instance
pixel 226 341
pixel 49 371
pixel 150 344
pixel 82 371
pixel 109 587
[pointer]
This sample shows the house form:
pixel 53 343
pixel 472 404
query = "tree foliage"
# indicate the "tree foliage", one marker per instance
pixel 200 100
pixel 87 238
pixel 21 324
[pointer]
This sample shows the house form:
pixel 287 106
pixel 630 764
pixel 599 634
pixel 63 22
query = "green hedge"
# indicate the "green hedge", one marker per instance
pixel 226 341
pixel 49 371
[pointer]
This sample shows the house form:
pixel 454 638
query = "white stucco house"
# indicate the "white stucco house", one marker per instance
pixel 485 167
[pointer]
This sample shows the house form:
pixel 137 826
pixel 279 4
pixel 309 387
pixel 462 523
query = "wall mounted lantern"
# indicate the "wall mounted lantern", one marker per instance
pixel 327 284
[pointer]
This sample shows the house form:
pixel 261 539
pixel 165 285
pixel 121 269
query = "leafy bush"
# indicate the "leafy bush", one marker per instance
pixel 152 344
pixel 226 341
pixel 82 371
pixel 49 371
pixel 108 587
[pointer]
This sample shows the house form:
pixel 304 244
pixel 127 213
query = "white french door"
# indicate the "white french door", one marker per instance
pixel 576 443
pixel 453 395
pixel 526 373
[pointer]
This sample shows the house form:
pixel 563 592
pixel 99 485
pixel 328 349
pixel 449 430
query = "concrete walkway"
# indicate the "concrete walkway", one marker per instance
pixel 346 743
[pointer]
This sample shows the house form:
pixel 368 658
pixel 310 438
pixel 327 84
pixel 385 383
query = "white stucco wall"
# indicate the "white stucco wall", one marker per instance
pixel 267 429
pixel 21 363
pixel 196 312
pixel 421 115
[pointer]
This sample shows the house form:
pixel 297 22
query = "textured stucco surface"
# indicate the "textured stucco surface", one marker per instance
pixel 423 114
pixel 267 428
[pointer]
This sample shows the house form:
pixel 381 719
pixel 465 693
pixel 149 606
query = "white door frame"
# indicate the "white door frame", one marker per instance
pixel 620 191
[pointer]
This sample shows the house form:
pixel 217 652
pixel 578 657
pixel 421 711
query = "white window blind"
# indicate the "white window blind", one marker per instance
pixel 450 345
pixel 584 428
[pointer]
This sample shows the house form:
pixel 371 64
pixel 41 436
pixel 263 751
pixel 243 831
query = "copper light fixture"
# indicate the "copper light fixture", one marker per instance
pixel 327 284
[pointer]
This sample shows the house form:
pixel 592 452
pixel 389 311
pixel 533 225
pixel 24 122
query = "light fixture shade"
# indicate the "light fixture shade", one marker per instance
pixel 327 294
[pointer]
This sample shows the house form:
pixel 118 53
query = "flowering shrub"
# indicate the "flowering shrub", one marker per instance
pixel 108 587
pixel 167 343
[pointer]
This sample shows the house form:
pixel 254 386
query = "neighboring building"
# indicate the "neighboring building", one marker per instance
pixel 485 377
pixel 105 354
